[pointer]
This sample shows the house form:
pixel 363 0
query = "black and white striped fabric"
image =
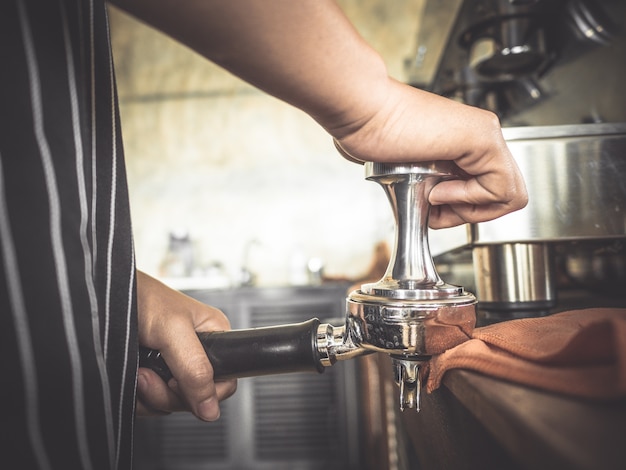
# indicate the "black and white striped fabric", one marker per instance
pixel 68 347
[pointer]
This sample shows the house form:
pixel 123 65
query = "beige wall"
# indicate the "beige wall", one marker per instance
pixel 212 155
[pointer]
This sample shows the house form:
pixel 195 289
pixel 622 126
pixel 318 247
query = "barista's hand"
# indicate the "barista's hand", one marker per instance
pixel 168 321
pixel 412 125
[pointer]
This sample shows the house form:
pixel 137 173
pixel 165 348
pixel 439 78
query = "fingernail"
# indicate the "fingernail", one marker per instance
pixel 142 383
pixel 209 409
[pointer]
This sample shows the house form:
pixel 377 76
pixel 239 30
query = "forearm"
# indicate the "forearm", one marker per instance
pixel 307 53
pixel 304 52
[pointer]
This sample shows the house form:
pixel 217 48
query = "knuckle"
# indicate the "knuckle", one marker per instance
pixel 199 371
pixel 219 319
pixel 203 376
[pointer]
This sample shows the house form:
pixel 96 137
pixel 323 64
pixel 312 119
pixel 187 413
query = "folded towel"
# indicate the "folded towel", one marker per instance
pixel 580 353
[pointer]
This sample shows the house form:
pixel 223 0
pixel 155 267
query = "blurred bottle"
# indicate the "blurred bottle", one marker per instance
pixel 179 259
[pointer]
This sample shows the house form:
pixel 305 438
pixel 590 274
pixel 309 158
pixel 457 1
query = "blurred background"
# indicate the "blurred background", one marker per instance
pixel 242 202
pixel 237 180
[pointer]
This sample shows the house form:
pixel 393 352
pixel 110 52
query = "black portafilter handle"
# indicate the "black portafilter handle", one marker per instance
pixel 252 352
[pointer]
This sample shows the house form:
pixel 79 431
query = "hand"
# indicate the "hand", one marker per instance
pixel 168 321
pixel 412 125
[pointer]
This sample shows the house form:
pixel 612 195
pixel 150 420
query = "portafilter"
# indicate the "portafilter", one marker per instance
pixel 410 314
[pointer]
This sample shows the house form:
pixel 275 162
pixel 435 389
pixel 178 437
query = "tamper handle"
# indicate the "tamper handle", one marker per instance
pixel 252 352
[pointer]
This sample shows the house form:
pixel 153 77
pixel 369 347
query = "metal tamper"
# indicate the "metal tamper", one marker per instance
pixel 409 314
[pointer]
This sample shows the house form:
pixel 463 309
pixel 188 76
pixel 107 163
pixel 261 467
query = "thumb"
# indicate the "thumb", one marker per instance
pixel 193 376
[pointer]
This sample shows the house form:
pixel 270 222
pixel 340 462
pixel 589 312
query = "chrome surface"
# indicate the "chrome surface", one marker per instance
pixel 334 343
pixel 576 180
pixel 408 376
pixel 515 276
pixel 410 327
pixel 512 49
pixel 411 274
pixel 589 22
pixel 410 313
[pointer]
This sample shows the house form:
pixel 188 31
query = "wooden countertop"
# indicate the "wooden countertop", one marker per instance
pixel 475 421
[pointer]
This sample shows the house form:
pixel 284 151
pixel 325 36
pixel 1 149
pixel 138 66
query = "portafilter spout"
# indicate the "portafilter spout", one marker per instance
pixel 409 314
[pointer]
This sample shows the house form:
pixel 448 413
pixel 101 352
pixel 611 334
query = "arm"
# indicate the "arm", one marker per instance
pixel 168 321
pixel 308 54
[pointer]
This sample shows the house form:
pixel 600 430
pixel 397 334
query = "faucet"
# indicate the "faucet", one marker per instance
pixel 246 277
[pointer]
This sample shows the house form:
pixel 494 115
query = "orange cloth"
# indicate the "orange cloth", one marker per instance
pixel 580 353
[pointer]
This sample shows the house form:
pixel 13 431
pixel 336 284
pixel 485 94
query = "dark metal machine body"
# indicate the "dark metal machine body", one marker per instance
pixel 554 72
pixel 409 314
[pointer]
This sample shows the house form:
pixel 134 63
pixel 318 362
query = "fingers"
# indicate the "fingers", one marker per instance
pixel 225 388
pixel 460 202
pixel 193 373
pixel 479 199
pixel 169 322
pixel 344 153
pixel 413 125
pixel 458 214
pixel 495 187
pixel 154 397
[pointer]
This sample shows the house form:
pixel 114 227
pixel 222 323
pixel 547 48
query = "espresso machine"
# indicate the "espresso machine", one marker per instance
pixel 554 72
